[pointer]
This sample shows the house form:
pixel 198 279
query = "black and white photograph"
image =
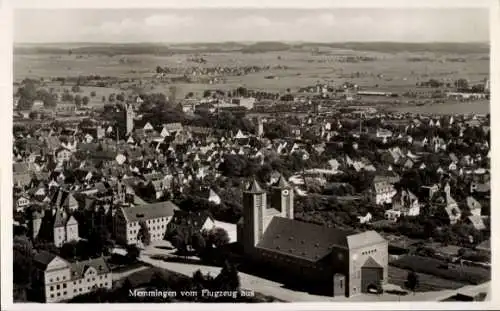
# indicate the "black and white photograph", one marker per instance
pixel 250 155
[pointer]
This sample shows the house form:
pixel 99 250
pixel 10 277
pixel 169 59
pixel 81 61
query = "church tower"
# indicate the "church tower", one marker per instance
pixel 129 114
pixel 254 208
pixel 260 128
pixel 282 197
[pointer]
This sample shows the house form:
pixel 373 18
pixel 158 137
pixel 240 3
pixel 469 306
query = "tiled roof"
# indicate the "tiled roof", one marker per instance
pixel 150 211
pixel 364 238
pixel 43 258
pixel 301 239
pixel 78 268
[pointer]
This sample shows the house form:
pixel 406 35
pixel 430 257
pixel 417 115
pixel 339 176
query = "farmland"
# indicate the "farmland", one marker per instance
pixel 396 70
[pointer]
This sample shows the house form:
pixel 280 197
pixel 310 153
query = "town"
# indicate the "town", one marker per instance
pixel 249 171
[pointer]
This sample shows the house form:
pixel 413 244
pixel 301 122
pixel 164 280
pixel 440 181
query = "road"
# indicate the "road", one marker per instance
pixel 275 289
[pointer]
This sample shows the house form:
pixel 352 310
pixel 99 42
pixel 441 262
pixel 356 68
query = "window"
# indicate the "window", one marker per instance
pixel 100 277
pixel 93 279
pixel 341 284
pixel 74 291
pixel 51 287
pixel 80 282
pixel 51 295
pixel 64 277
pixel 51 280
pixel 58 294
pixel 58 286
pixel 57 278
pixel 81 289
pixel 64 293
pixel 74 283
pixel 64 285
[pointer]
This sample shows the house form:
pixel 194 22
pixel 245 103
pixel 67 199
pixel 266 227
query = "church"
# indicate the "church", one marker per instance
pixel 349 263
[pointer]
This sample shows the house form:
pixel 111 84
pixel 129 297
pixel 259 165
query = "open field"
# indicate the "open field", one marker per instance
pixel 398 276
pixel 480 107
pixel 391 71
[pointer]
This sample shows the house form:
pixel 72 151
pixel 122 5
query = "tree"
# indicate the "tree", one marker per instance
pixel 69 250
pixel 206 93
pixel 462 84
pixel 78 100
pixel 412 281
pixel 92 94
pixel 144 234
pixel 133 252
pixel 218 237
pixel 75 89
pixel 198 242
pixel 228 279
pixel 159 69
pixel 179 242
pixel 103 99
pixel 120 97
pixel 111 97
pixel 85 100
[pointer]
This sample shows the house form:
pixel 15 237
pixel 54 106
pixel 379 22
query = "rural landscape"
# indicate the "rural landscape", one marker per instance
pixel 263 171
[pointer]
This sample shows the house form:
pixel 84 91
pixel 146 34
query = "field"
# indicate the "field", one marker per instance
pixel 398 276
pixel 467 274
pixel 397 70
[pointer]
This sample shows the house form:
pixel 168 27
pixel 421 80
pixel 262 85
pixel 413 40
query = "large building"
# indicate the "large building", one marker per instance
pixel 348 262
pixel 60 280
pixel 156 216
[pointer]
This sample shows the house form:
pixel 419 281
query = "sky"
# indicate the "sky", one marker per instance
pixel 250 24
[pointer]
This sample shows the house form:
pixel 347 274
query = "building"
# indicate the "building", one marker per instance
pixel 248 103
pixel 65 229
pixel 129 115
pixel 60 280
pixel 382 191
pixel 127 221
pixel 348 263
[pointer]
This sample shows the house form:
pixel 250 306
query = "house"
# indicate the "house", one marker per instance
pixel 190 222
pixel 382 190
pixel 477 222
pixel 21 203
pixel 127 221
pixel 65 228
pixel 404 203
pixel 213 197
pixel 59 280
pixel 62 155
pixel 365 219
pixel 474 206
pixel 64 199
pixel 346 263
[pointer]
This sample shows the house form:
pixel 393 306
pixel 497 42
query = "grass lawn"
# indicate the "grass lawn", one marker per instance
pixel 397 276
pixel 438 268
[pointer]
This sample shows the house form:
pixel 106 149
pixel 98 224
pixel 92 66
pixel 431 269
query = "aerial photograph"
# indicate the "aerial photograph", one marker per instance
pixel 245 155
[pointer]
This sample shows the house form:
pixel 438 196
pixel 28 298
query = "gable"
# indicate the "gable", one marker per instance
pixel 90 271
pixel 57 263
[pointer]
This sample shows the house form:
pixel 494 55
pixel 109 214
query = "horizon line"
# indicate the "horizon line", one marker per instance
pixel 250 41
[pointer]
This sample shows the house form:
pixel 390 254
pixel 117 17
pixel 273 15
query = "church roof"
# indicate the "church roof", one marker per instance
pixel 254 187
pixel 281 182
pixel 304 240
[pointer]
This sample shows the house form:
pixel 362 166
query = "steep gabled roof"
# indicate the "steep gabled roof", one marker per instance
pixel 254 187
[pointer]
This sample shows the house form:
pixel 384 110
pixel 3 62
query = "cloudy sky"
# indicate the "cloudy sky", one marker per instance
pixel 212 25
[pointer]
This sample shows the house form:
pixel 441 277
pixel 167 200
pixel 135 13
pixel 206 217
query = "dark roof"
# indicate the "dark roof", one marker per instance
pixel 301 239
pixel 254 187
pixel 150 211
pixel 43 259
pixel 281 182
pixel 20 167
pixel 371 263
pixel 78 268
pixel 194 220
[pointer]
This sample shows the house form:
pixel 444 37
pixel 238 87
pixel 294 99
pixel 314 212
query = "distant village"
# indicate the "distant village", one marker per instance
pixel 315 183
